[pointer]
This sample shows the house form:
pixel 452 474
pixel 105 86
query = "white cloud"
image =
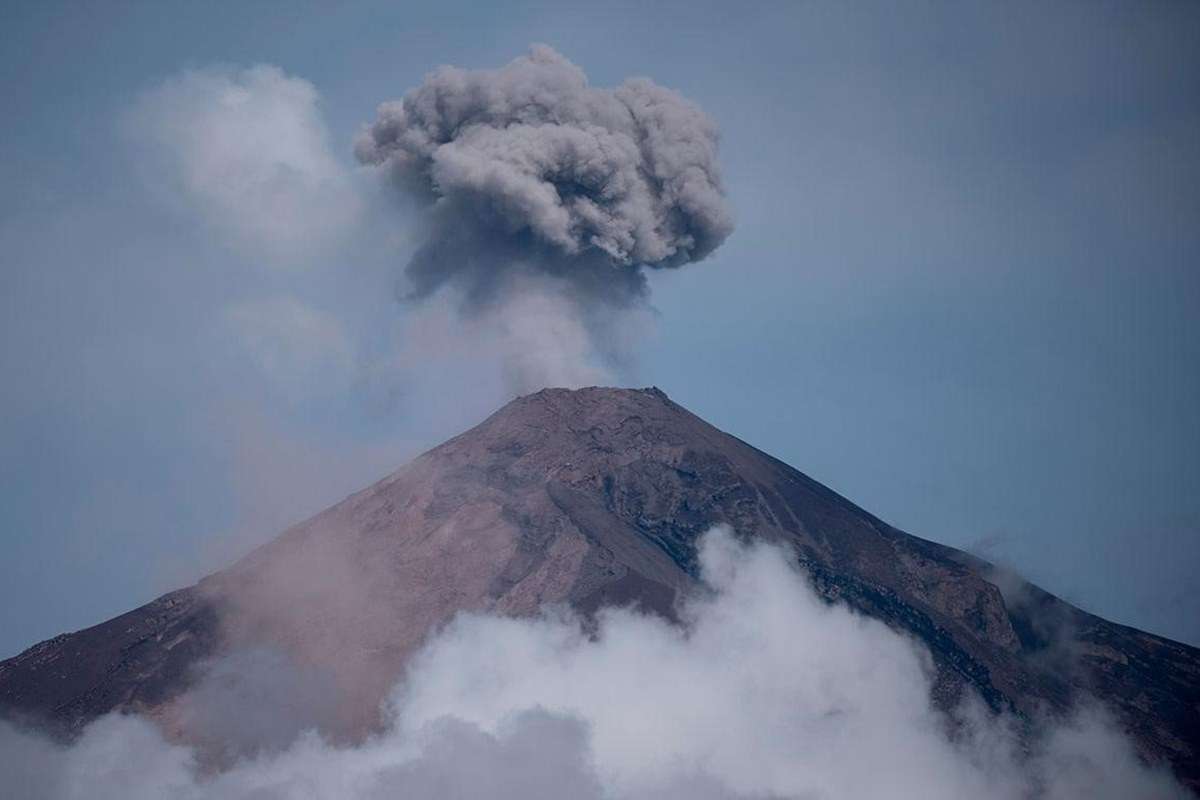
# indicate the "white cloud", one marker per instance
pixel 766 692
pixel 249 150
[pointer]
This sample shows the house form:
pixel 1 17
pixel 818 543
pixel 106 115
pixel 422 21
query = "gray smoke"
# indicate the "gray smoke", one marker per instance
pixel 528 171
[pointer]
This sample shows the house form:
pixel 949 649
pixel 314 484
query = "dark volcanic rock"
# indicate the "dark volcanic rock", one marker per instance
pixel 594 497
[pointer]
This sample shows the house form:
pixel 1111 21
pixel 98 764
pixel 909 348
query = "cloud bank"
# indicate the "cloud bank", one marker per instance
pixel 765 691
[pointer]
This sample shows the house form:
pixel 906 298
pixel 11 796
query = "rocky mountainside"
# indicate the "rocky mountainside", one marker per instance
pixel 593 497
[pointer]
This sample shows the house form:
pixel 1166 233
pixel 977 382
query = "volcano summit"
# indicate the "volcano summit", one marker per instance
pixel 586 498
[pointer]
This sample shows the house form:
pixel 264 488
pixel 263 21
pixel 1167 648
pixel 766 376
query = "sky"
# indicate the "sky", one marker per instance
pixel 961 287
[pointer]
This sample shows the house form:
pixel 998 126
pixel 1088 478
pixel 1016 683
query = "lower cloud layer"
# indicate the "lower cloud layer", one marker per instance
pixel 766 692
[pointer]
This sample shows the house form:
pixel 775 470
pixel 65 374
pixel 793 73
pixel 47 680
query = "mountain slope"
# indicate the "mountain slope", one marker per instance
pixel 593 497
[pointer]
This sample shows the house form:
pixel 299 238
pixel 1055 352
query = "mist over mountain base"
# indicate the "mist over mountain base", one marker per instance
pixel 763 690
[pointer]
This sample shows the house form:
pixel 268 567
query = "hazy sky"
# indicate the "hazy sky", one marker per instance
pixel 962 289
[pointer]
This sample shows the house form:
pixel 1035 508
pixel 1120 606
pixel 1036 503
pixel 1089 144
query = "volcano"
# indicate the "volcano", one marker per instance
pixel 590 498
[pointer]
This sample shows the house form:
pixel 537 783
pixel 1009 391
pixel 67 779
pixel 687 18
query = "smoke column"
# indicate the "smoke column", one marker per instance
pixel 531 180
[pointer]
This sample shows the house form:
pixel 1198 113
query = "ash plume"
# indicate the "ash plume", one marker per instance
pixel 529 175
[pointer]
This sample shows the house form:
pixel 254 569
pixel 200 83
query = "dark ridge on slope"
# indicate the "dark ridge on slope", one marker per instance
pixel 592 497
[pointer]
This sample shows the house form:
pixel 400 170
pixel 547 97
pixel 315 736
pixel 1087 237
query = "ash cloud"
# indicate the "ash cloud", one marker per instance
pixel 766 691
pixel 527 175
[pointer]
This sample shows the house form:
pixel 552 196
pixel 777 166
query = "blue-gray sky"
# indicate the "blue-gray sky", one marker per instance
pixel 962 289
